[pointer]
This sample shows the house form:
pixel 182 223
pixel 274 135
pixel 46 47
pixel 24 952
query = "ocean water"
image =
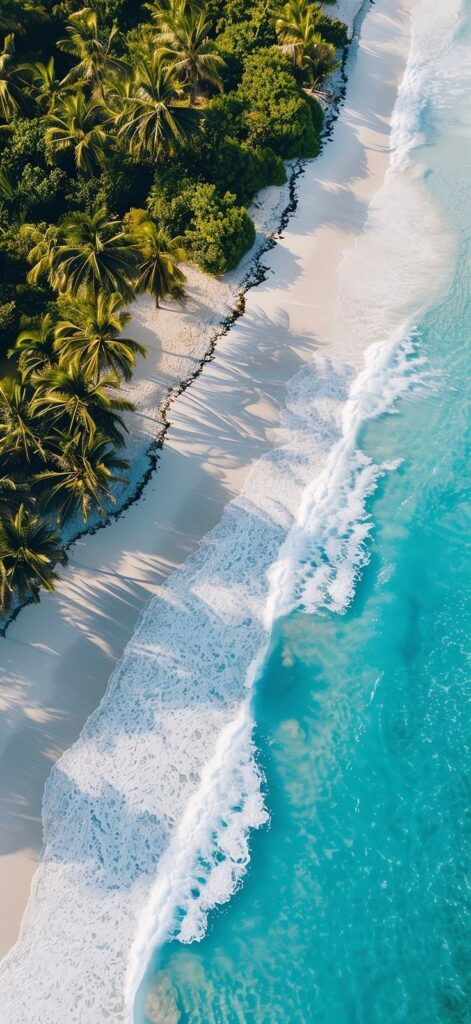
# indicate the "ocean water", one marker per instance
pixel 355 905
pixel 268 822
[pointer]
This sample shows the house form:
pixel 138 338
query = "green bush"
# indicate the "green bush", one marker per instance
pixel 15 244
pixel 237 168
pixel 333 30
pixel 223 119
pixel 170 200
pixel 277 114
pixel 221 231
pixel 7 320
pixel 43 195
pixel 251 18
pixel 120 185
pixel 234 44
pixel 25 144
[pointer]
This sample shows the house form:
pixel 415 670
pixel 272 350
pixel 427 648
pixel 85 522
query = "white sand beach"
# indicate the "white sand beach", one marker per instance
pixel 57 657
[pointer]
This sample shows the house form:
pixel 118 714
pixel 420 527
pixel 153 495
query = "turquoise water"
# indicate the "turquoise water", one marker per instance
pixel 355 908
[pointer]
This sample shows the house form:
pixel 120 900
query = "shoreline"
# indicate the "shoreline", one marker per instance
pixel 230 470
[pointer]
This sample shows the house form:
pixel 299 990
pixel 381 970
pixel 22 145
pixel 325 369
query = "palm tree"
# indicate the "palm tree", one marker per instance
pixel 93 254
pixel 19 430
pixel 35 347
pixel 43 83
pixel 153 121
pixel 28 551
pixel 295 26
pixel 160 10
pixel 93 50
pixel 7 494
pixel 183 38
pixel 12 98
pixel 117 90
pixel 84 469
pixel 90 336
pixel 159 273
pixel 74 125
pixel 70 400
pixel 11 193
pixel 41 256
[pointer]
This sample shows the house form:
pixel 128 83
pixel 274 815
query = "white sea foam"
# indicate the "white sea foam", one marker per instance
pixel 147 817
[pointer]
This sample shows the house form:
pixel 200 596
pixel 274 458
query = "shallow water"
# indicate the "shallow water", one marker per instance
pixel 355 908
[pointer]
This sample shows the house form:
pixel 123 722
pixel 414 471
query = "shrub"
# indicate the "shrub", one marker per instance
pixel 120 185
pixel 221 231
pixel 234 44
pixel 242 170
pixel 7 318
pixel 223 119
pixel 170 200
pixel 333 30
pixel 277 115
pixel 42 195
pixel 252 19
pixel 15 244
pixel 25 144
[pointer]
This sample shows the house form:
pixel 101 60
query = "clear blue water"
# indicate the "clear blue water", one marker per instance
pixel 356 907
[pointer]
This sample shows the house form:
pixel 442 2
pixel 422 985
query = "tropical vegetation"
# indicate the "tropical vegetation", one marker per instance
pixel 132 137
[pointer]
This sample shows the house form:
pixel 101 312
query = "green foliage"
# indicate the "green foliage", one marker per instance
pixel 252 18
pixel 244 171
pixel 36 195
pixel 90 336
pixel 25 144
pixel 7 317
pixel 158 269
pixel 221 231
pixel 79 482
pixel 333 30
pixel 276 114
pixel 19 297
pixel 28 550
pixel 90 252
pixel 170 199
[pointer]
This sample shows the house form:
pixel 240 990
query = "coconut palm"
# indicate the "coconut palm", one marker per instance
pixel 158 272
pixel 183 38
pixel 41 256
pixel 93 254
pixel 11 194
pixel 296 29
pixel 8 491
pixel 159 10
pixel 35 347
pixel 90 335
pixel 43 83
pixel 13 100
pixel 80 480
pixel 20 438
pixel 70 400
pixel 75 126
pixel 28 550
pixel 117 90
pixel 93 49
pixel 154 121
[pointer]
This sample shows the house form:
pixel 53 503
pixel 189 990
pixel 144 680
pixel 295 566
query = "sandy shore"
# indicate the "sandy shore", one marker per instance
pixel 57 657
